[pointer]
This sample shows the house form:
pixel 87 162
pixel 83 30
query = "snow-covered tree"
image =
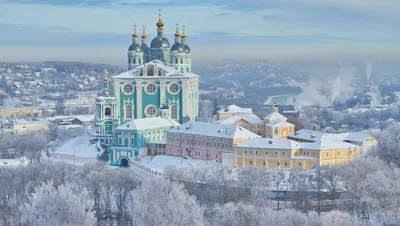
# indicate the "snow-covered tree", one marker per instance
pixel 388 147
pixel 338 218
pixel 241 214
pixel 57 206
pixel 162 203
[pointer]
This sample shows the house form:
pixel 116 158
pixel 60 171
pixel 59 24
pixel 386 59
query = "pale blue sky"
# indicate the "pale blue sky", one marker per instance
pixel 100 31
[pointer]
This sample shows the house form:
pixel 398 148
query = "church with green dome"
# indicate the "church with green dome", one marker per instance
pixel 158 75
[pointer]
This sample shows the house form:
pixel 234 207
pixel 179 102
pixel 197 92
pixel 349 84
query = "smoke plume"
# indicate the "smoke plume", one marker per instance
pixel 368 70
pixel 8 104
pixel 327 87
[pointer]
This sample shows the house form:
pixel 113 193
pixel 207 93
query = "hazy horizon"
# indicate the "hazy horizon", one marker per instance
pixel 100 32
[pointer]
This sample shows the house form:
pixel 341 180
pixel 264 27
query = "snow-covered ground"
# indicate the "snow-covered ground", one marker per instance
pixel 161 162
pixel 79 147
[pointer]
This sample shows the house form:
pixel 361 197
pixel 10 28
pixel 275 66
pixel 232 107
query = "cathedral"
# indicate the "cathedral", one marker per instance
pixel 158 80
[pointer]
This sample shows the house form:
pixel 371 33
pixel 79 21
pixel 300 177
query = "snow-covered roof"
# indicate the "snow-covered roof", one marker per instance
pixel 328 142
pixel 280 124
pixel 267 143
pixel 236 109
pixel 274 116
pixel 166 71
pixel 148 124
pixel 214 130
pixel 312 135
pixel 13 162
pixel 306 134
pixel 250 118
pixel 356 137
pixel 85 118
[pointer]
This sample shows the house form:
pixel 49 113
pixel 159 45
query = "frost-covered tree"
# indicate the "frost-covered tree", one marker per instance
pixel 388 147
pixel 162 203
pixel 338 218
pixel 240 214
pixel 31 145
pixel 57 206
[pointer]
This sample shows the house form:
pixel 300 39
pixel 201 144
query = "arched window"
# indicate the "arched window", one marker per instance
pixel 150 71
pixel 134 61
pixel 174 111
pixel 128 111
pixel 159 72
pixel 107 112
pixel 181 61
pixel 176 60
pixel 129 60
pixel 140 61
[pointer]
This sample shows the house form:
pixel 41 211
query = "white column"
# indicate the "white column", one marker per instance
pixel 139 98
pixel 162 92
pixel 185 98
pixel 116 90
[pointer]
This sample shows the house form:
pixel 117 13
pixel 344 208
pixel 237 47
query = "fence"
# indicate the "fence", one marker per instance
pixel 145 169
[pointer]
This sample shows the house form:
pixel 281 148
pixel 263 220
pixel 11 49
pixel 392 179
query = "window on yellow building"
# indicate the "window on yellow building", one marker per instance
pixel 251 152
pixel 256 152
pixel 299 163
pixel 283 153
pixel 350 152
pixel 276 153
pixel 264 163
pixel 275 131
pixel 313 153
pixel 327 154
pixel 338 153
pixel 266 153
pixel 245 152
pixel 251 162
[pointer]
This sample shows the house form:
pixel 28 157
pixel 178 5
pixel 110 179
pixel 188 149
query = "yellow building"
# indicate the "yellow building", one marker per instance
pixel 363 140
pixel 276 125
pixel 21 112
pixel 23 127
pixel 289 154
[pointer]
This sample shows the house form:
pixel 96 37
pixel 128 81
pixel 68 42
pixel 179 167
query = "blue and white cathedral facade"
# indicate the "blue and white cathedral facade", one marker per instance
pixel 158 75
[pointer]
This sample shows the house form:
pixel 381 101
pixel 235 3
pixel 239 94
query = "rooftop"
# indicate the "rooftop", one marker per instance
pixel 250 118
pixel 236 109
pixel 274 116
pixel 166 71
pixel 148 124
pixel 214 130
pixel 280 124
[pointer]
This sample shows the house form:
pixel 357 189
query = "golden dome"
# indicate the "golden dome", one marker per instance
pixel 134 35
pixel 177 35
pixel 183 32
pixel 105 80
pixel 144 36
pixel 160 24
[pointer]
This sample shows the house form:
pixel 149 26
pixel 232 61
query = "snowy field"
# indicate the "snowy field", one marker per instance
pixel 161 162
pixel 79 147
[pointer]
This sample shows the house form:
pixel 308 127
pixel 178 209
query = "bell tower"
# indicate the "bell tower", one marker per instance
pixel 106 107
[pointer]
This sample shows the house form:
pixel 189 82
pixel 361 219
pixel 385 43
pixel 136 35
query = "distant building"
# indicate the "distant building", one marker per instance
pixel 48 70
pixel 232 110
pixel 248 121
